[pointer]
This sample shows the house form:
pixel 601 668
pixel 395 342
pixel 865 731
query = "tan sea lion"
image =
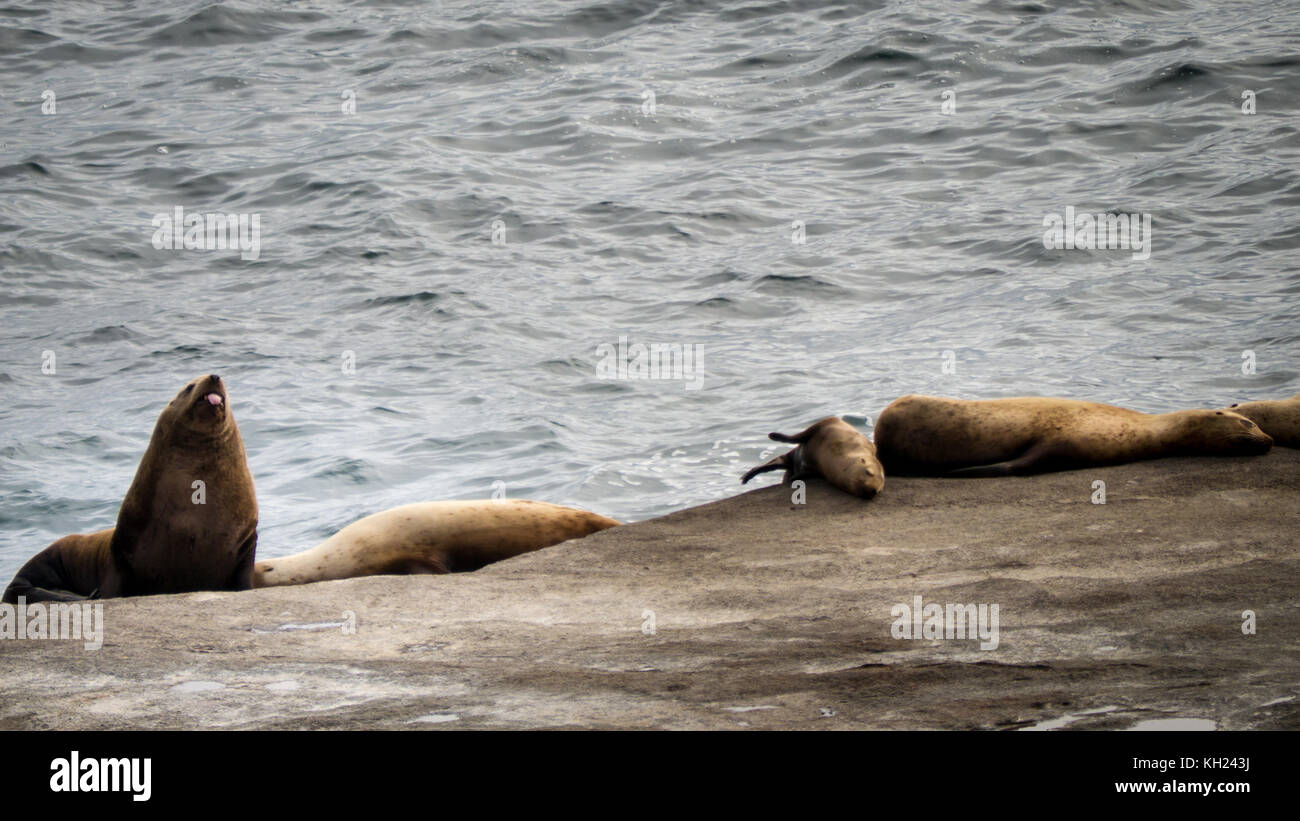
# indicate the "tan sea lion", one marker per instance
pixel 432 537
pixel 834 450
pixel 936 436
pixel 188 522
pixel 1279 418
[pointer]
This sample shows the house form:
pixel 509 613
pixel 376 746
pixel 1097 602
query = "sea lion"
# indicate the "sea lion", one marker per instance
pixel 72 568
pixel 1279 418
pixel 936 436
pixel 432 537
pixel 188 522
pixel 834 450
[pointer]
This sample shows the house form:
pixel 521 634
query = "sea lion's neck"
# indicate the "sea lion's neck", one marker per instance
pixel 1172 430
pixel 204 445
pixel 177 456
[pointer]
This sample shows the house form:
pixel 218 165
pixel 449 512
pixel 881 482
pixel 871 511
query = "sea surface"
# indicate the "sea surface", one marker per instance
pixel 464 205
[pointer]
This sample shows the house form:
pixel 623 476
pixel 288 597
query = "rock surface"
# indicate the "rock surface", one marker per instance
pixel 765 615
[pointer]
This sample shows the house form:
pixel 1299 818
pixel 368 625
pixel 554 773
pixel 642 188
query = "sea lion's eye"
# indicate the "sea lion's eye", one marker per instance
pixel 188 389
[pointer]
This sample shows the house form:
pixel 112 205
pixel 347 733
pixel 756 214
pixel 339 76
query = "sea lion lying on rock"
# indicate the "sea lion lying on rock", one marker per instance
pixel 834 450
pixel 432 537
pixel 937 436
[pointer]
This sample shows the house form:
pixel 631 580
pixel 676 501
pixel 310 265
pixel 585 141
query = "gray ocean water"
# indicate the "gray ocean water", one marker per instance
pixel 469 198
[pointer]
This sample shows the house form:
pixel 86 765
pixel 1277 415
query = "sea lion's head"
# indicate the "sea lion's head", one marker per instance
pixel 201 407
pixel 854 470
pixel 846 457
pixel 868 476
pixel 1224 433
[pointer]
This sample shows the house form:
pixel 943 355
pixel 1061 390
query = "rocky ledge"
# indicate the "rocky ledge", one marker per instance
pixel 756 612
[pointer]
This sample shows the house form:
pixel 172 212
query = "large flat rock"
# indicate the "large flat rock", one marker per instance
pixel 766 615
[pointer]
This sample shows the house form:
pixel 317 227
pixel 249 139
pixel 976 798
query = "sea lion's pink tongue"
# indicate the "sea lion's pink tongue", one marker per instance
pixel 214 399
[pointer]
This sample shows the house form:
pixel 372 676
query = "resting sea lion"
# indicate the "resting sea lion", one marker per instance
pixel 1279 418
pixel 173 535
pixel 935 436
pixel 72 568
pixel 834 450
pixel 432 537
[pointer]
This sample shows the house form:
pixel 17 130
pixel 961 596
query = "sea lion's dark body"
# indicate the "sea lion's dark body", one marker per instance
pixel 188 522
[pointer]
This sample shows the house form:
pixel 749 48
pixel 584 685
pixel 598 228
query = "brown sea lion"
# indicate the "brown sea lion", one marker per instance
pixel 1279 418
pixel 936 436
pixel 432 537
pixel 72 568
pixel 834 450
pixel 188 522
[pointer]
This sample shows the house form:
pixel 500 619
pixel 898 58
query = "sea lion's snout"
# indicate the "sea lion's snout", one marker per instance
pixel 871 485
pixel 209 400
pixel 1258 444
pixel 870 480
pixel 1243 435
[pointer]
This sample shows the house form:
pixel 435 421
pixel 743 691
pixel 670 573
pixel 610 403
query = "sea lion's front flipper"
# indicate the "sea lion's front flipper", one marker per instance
pixel 778 463
pixel 242 576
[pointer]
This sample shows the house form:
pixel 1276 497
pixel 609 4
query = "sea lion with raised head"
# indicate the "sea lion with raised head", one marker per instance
pixel 832 449
pixel 188 522
pixel 937 436
pixel 432 537
pixel 1279 418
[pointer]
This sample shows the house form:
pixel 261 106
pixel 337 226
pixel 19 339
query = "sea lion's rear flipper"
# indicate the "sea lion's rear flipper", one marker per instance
pixel 982 471
pixel 799 438
pixel 1042 456
pixel 32 594
pixel 805 434
pixel 779 463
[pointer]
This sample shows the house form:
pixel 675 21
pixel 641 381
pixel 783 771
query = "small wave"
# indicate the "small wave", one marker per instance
pixel 29 168
pixel 404 299
pixel 220 24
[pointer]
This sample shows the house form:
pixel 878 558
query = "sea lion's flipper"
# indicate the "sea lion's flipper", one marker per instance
pixel 803 435
pixel 242 577
pixel 787 438
pixel 982 471
pixel 798 439
pixel 416 566
pixel 1041 456
pixel 45 577
pixel 779 463
pixel 32 594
